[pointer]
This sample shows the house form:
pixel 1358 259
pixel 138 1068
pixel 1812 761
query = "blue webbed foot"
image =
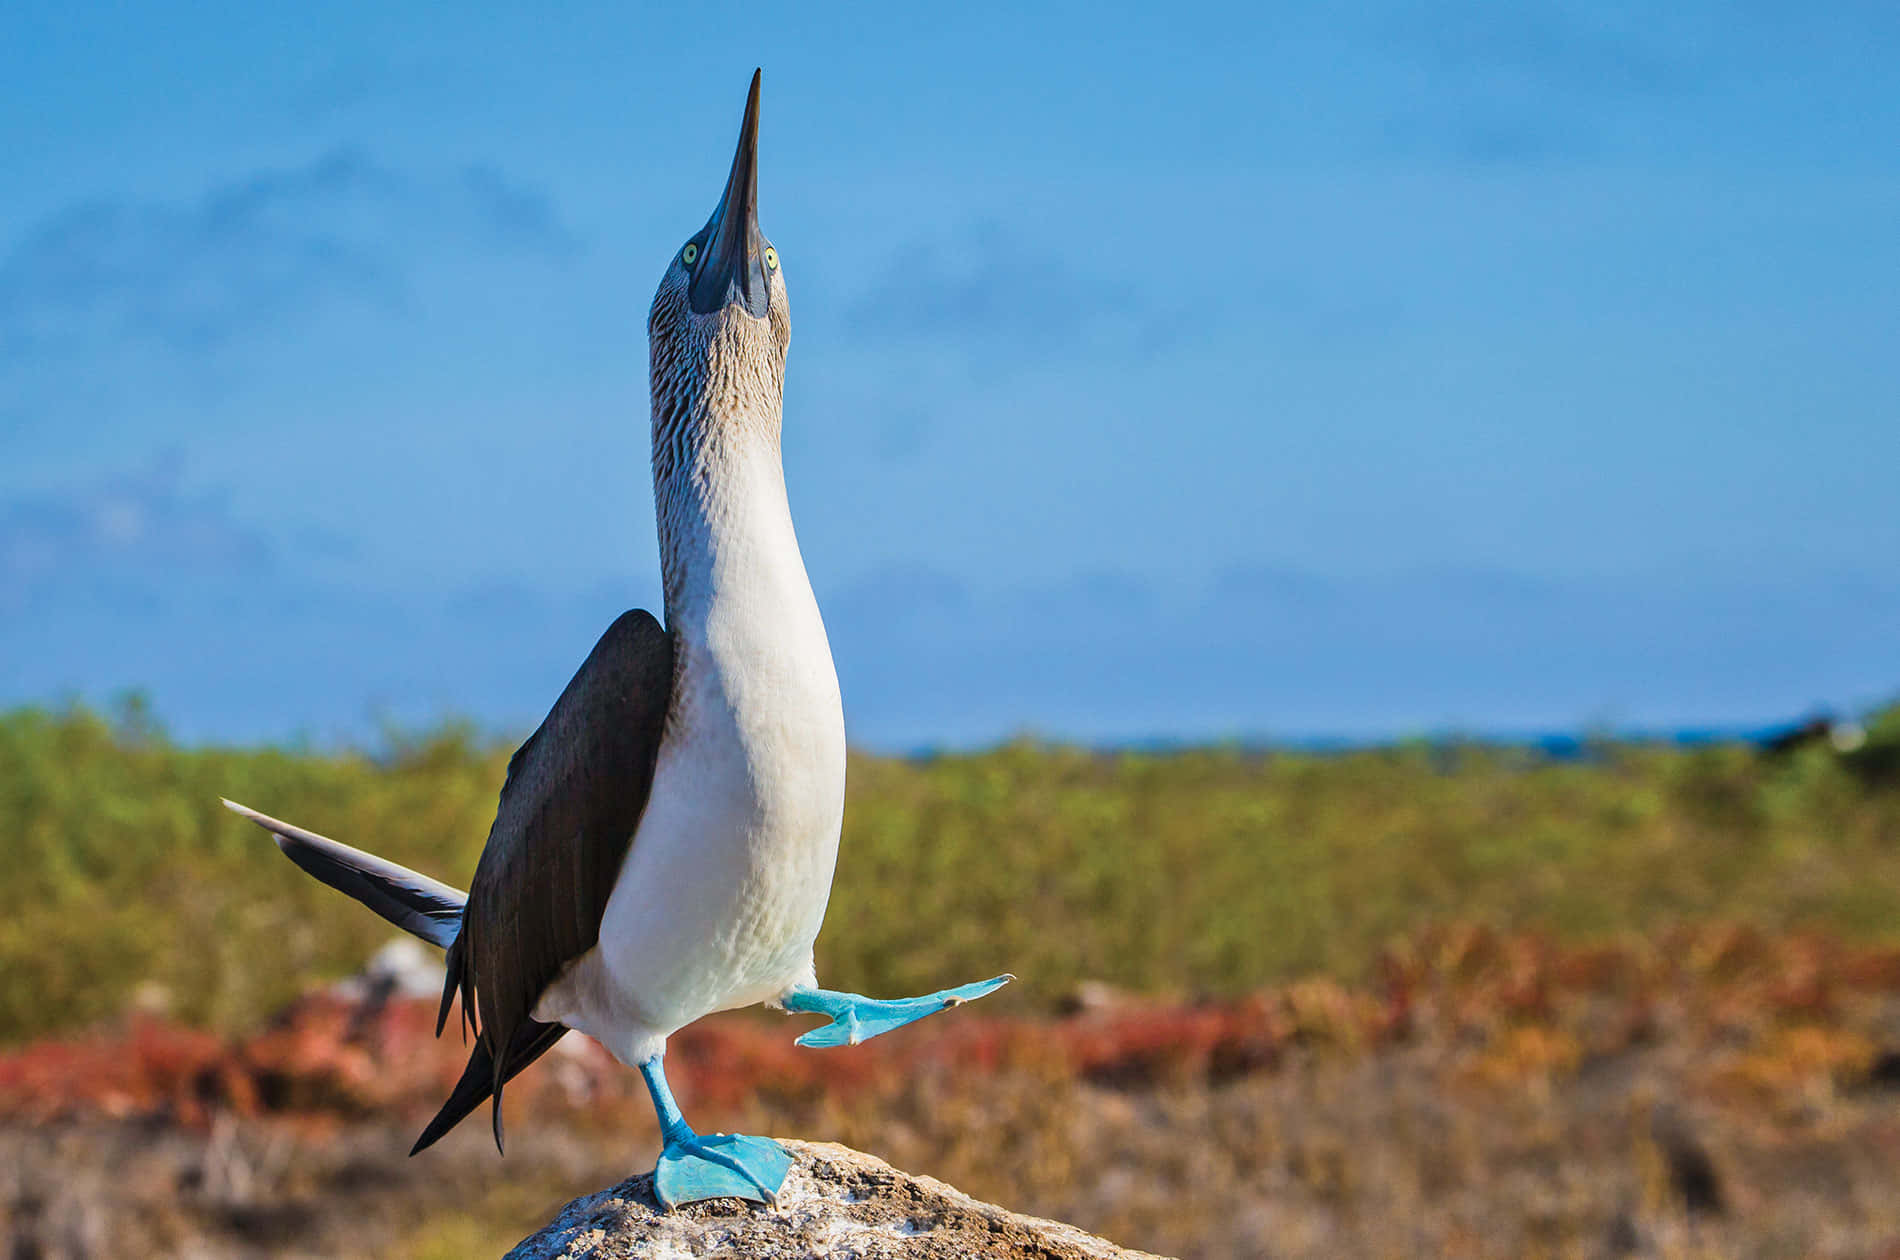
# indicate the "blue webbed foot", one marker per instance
pixel 714 1166
pixel 718 1166
pixel 856 1018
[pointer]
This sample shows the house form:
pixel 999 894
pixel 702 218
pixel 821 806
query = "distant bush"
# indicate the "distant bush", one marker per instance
pixel 1207 871
pixel 1876 756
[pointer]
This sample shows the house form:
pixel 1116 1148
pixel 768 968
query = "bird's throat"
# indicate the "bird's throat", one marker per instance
pixel 725 526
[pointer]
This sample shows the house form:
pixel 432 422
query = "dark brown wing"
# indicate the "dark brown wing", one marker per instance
pixel 573 797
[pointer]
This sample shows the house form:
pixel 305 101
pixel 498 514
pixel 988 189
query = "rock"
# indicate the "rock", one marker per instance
pixel 837 1203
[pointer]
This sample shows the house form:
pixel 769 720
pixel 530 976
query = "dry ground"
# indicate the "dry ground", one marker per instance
pixel 1706 1093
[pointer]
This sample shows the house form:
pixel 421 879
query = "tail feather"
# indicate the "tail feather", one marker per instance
pixel 413 902
pixel 433 911
pixel 479 1080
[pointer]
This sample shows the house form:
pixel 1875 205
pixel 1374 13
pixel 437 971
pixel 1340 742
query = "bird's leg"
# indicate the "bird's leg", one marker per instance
pixel 856 1018
pixel 715 1166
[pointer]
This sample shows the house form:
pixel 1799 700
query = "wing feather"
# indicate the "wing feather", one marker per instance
pixel 573 797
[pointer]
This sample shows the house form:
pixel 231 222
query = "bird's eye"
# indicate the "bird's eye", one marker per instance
pixel 771 259
pixel 689 253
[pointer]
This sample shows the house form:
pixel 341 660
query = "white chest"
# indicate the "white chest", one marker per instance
pixel 724 888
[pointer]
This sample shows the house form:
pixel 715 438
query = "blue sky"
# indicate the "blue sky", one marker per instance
pixel 1157 372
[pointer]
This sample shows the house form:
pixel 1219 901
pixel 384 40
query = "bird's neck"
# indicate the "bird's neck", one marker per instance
pixel 724 521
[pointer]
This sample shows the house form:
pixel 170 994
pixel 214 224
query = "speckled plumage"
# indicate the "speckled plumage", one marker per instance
pixel 715 380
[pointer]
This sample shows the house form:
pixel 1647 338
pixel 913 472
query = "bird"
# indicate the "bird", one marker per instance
pixel 665 841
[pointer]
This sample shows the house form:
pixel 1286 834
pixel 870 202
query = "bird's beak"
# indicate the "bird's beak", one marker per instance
pixel 732 271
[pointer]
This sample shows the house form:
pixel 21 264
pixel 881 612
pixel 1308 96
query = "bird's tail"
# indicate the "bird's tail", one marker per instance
pixel 531 1040
pixel 413 902
pixel 433 911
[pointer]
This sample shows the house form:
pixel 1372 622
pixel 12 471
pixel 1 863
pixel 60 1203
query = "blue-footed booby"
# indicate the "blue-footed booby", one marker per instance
pixel 665 841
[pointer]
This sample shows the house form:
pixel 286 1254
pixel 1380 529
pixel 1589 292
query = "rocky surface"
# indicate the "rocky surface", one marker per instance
pixel 837 1203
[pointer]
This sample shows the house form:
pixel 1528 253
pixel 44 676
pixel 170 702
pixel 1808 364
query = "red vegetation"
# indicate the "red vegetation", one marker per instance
pixel 1774 1014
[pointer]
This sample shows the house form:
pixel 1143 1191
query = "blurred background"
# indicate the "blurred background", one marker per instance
pixel 1358 546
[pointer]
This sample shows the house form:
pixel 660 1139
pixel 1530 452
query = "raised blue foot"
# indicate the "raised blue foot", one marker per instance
pixel 856 1018
pixel 715 1166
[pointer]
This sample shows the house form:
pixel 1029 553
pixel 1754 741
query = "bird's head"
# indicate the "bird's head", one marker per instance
pixel 720 323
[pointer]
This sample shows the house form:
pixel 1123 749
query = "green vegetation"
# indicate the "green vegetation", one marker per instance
pixel 1199 872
